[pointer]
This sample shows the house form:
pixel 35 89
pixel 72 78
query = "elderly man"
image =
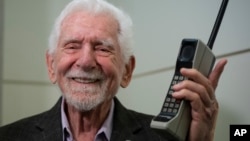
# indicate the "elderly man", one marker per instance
pixel 89 58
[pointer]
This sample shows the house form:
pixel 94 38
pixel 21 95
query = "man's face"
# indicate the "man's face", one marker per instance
pixel 87 63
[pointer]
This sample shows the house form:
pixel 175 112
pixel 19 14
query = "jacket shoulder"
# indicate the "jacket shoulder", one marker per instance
pixel 33 127
pixel 21 129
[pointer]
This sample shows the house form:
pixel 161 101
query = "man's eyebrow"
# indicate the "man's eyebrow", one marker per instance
pixel 71 41
pixel 107 42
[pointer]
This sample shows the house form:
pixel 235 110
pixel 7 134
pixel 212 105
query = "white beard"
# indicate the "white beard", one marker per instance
pixel 91 99
pixel 88 97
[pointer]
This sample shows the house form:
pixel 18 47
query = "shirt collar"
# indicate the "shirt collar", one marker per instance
pixel 106 128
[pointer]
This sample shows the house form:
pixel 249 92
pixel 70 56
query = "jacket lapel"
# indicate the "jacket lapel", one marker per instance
pixel 127 125
pixel 50 127
pixel 50 124
pixel 124 124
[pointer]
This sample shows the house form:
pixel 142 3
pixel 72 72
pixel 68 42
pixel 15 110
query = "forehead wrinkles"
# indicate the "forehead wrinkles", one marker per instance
pixel 102 22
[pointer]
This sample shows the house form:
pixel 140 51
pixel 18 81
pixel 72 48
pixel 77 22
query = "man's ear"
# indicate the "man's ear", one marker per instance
pixel 51 67
pixel 128 72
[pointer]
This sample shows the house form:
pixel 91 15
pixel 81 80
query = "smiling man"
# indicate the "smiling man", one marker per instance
pixel 89 58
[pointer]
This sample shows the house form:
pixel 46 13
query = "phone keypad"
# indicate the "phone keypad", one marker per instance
pixel 171 105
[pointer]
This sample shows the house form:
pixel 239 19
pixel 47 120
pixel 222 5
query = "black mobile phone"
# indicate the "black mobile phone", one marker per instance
pixel 175 116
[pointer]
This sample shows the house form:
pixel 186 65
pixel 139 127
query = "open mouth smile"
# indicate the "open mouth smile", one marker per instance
pixel 85 80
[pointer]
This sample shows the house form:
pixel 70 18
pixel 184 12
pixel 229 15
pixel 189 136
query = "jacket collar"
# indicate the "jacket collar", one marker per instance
pixel 125 125
pixel 50 123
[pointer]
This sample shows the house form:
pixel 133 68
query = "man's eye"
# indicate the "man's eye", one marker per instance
pixel 102 50
pixel 71 48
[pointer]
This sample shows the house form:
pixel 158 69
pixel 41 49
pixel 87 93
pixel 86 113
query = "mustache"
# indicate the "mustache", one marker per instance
pixel 95 74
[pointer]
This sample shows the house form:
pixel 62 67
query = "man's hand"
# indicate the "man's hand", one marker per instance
pixel 200 91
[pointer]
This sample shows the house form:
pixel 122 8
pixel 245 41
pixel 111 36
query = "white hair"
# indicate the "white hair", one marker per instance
pixel 96 7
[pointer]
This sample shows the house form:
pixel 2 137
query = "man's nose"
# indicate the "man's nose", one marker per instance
pixel 87 58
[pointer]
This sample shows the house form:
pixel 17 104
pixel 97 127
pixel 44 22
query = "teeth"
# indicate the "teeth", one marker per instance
pixel 81 80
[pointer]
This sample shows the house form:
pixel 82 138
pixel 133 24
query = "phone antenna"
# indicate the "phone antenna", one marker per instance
pixel 217 24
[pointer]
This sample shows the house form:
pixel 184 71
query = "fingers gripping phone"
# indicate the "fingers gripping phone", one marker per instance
pixel 174 119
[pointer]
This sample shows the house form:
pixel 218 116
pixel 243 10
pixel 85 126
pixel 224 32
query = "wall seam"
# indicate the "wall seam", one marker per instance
pixel 170 68
pixel 136 76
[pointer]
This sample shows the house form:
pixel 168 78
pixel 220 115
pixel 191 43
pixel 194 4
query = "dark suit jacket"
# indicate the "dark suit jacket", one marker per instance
pixel 127 125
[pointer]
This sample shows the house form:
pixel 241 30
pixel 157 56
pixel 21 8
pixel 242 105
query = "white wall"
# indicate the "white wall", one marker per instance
pixel 26 88
pixel 1 56
pixel 159 28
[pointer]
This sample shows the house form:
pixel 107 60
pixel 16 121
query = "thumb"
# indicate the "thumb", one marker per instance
pixel 216 73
